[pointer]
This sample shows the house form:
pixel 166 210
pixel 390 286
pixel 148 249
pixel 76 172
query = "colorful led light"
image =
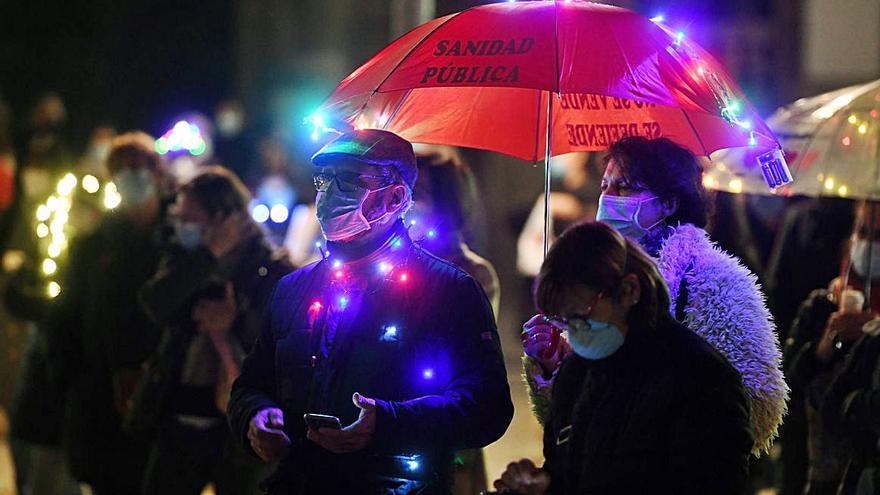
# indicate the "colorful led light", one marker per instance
pixel 49 266
pixel 404 277
pixel 432 234
pixel 679 36
pixel 260 213
pixel 658 18
pixel 91 184
pixel 53 289
pixel 390 334
pixel 343 302
pixel 337 264
pixel 279 213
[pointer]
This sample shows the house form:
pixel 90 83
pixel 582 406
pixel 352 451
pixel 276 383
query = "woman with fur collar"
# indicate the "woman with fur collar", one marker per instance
pixel 652 192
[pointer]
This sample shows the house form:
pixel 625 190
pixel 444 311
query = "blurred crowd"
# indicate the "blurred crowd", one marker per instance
pixel 135 271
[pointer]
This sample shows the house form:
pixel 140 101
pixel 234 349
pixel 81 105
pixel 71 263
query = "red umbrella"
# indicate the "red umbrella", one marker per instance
pixel 483 78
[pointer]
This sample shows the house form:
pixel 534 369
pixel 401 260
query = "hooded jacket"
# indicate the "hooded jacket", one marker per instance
pixel 722 302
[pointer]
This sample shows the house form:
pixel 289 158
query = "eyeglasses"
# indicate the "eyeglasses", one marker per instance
pixel 349 181
pixel 578 322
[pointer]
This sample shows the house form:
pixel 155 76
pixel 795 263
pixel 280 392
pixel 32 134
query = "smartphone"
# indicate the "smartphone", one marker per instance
pixel 315 421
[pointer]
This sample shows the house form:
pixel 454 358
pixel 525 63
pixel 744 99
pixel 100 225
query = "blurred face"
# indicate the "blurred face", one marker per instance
pixel 136 185
pixel 188 210
pixel 652 210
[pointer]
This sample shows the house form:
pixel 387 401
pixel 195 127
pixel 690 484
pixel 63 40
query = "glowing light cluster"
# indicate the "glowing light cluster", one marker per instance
pixel 278 213
pixel 319 126
pixel 184 136
pixel 52 217
pixel 112 198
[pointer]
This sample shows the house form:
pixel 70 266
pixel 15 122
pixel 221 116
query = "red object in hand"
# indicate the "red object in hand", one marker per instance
pixel 553 347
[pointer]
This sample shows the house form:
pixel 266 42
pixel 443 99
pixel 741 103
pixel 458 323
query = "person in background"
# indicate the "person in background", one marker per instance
pixel 834 354
pixel 98 336
pixel 811 239
pixel 574 182
pixel 652 192
pixel 381 336
pixel 642 404
pixel 209 294
pixel 445 192
pixel 828 323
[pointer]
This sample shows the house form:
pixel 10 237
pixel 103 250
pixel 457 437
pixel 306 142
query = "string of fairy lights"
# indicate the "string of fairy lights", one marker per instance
pixel 52 221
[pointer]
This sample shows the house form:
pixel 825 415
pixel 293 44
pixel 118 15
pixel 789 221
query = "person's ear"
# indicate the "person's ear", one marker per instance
pixel 630 290
pixel 396 198
pixel 669 206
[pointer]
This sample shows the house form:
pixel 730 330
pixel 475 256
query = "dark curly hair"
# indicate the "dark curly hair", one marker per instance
pixel 668 170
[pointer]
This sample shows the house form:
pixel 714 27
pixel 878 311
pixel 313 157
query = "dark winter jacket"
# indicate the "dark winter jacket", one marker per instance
pixel 665 414
pixel 97 339
pixel 183 279
pixel 420 338
pixel 809 379
pixel 852 403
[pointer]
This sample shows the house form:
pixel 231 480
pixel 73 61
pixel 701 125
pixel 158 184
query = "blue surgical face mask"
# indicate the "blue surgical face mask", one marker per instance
pixel 135 186
pixel 598 341
pixel 189 234
pixel 622 213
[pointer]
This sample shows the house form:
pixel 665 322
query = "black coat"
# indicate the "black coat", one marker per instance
pixel 439 379
pixel 97 339
pixel 183 279
pixel 665 414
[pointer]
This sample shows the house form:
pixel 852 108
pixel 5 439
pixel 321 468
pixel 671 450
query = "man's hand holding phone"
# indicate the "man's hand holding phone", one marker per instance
pixel 353 437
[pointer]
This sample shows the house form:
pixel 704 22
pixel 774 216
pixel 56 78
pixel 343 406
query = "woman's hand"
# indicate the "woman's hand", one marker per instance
pixel 843 326
pixel 543 343
pixel 524 478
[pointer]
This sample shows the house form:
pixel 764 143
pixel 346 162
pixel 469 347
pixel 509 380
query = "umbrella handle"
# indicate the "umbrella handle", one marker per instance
pixel 547 174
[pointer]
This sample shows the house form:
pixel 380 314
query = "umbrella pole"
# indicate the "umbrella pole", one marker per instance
pixel 868 282
pixel 547 175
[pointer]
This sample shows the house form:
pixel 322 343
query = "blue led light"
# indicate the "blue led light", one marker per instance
pixel 390 334
pixel 413 465
pixel 337 264
pixel 432 234
pixel 396 243
pixel 428 374
pixel 343 302
pixel 679 36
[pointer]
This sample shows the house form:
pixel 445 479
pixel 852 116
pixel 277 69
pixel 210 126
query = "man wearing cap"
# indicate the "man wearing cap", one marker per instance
pixel 398 344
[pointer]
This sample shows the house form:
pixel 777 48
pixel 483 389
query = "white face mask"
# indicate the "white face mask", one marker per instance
pixel 622 213
pixel 135 187
pixel 859 256
pixel 341 214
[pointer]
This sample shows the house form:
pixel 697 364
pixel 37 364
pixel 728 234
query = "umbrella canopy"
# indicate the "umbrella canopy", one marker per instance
pixel 831 142
pixel 483 79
